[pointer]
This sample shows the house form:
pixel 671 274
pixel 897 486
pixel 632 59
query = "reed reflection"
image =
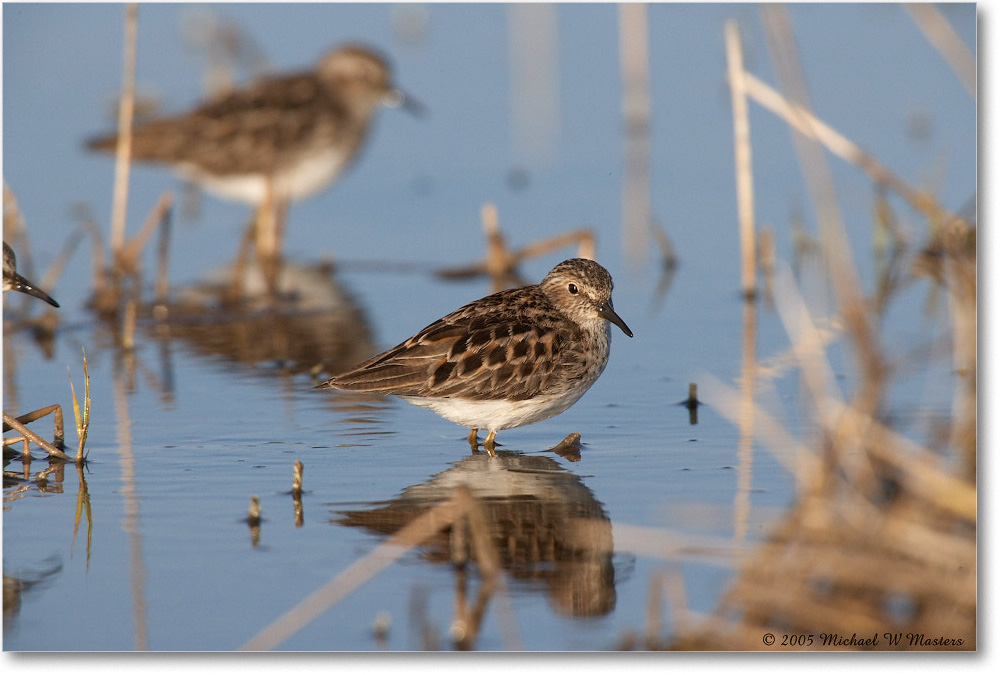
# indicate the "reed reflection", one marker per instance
pixel 547 526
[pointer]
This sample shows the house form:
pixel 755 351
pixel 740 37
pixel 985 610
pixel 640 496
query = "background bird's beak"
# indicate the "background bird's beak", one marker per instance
pixel 396 98
pixel 607 310
pixel 19 283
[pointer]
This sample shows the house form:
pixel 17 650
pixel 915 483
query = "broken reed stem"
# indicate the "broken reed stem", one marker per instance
pixel 742 158
pixel 123 152
pixel 36 439
pixel 500 262
pixel 584 238
pixel 100 278
pixel 58 433
pixel 943 37
pixel 253 511
pixel 128 322
pixel 158 217
pixel 297 478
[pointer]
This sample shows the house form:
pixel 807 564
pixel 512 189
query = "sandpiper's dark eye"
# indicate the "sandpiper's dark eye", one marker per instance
pixel 573 290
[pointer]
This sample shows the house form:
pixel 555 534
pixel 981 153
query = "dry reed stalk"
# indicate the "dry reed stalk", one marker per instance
pixel 130 504
pixel 815 168
pixel 58 265
pixel 127 335
pixel 633 43
pixel 836 248
pixel 500 263
pixel 654 608
pixel 297 478
pixel 123 152
pixel 768 260
pixel 742 158
pixel 744 451
pixel 162 266
pixel 583 238
pixel 810 125
pixel 673 585
pixel 939 33
pixel 877 517
pixel 58 433
pixel 793 455
pixel 159 216
pixel 297 493
pixel 100 277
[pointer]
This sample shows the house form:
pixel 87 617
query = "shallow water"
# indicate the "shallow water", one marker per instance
pixel 205 414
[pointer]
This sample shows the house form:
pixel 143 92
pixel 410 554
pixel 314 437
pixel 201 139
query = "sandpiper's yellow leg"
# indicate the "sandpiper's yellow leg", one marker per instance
pixel 490 444
pixel 474 439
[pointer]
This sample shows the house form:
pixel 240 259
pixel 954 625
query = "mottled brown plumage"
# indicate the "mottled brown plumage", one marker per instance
pixel 296 131
pixel 512 358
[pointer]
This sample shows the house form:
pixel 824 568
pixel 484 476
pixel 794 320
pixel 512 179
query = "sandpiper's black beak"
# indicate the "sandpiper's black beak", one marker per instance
pixel 19 283
pixel 397 98
pixel 607 310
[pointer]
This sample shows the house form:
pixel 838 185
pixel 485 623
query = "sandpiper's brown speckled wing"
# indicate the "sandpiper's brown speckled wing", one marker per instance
pixel 254 130
pixel 490 349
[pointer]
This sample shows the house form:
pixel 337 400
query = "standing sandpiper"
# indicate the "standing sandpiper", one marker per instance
pixel 278 140
pixel 12 281
pixel 512 358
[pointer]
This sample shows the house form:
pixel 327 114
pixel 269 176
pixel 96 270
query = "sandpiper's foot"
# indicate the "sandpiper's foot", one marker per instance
pixel 474 439
pixel 490 443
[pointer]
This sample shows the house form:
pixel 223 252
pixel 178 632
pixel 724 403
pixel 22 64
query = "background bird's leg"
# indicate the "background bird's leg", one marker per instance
pixel 267 238
pixel 238 284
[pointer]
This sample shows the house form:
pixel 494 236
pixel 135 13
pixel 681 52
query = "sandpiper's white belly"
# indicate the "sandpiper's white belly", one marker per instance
pixel 305 177
pixel 498 414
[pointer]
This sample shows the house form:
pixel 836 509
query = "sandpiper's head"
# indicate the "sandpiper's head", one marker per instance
pixel 581 288
pixel 364 79
pixel 12 281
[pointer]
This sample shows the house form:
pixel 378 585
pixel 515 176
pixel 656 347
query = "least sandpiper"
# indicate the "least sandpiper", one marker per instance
pixel 512 358
pixel 12 281
pixel 276 141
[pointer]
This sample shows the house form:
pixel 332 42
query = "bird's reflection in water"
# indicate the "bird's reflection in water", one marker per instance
pixel 313 324
pixel 547 526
